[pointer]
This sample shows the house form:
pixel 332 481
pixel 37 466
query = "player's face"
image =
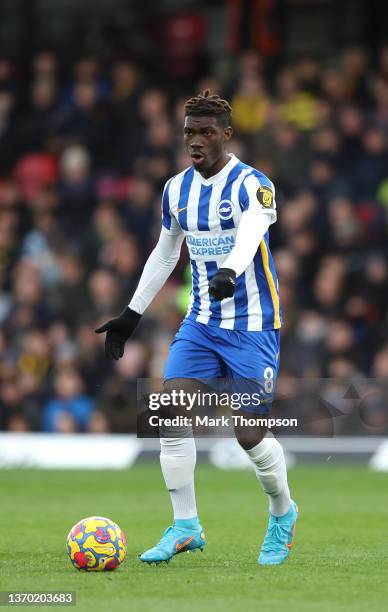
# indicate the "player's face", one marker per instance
pixel 205 142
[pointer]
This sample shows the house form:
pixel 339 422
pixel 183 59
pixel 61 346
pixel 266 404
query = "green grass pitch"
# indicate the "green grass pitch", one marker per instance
pixel 339 561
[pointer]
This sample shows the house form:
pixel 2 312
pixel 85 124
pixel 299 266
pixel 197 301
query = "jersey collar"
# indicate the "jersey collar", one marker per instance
pixel 222 174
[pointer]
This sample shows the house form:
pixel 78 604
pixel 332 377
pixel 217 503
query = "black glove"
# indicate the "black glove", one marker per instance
pixel 118 331
pixel 223 284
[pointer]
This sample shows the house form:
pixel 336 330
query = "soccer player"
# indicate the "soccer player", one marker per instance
pixel 223 208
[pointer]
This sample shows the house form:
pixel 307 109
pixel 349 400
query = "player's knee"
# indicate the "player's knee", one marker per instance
pixel 248 437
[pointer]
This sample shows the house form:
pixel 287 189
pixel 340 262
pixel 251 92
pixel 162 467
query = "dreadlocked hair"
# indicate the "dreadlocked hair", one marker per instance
pixel 208 104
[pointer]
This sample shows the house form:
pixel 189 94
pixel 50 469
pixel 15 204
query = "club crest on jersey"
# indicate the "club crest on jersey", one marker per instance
pixel 225 210
pixel 265 196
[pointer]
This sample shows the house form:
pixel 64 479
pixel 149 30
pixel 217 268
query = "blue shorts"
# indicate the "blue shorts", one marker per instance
pixel 246 361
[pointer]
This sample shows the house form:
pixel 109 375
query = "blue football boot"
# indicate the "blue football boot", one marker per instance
pixel 184 535
pixel 278 539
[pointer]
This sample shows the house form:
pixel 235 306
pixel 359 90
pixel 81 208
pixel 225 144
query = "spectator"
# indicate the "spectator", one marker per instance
pixel 69 409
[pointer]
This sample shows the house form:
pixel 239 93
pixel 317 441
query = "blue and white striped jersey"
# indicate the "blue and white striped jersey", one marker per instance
pixel 208 211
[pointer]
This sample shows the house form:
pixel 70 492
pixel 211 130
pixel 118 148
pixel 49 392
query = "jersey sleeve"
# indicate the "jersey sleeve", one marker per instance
pixel 250 232
pixel 169 222
pixel 257 194
pixel 158 268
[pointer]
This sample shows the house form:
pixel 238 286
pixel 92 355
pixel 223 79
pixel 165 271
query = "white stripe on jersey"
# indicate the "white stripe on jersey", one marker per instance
pixel 174 190
pixel 255 318
pixel 228 311
pixel 192 204
pixel 204 293
pixel 237 183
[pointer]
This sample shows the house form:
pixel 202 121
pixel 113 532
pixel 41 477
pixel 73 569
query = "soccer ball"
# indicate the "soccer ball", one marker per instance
pixel 96 544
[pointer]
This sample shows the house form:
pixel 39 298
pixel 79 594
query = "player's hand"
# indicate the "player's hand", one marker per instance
pixel 118 331
pixel 223 284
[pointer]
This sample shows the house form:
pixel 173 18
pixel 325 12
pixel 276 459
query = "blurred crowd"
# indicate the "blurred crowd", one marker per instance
pixel 83 160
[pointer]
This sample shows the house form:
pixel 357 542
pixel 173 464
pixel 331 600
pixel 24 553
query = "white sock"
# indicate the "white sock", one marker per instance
pixel 177 460
pixel 271 470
